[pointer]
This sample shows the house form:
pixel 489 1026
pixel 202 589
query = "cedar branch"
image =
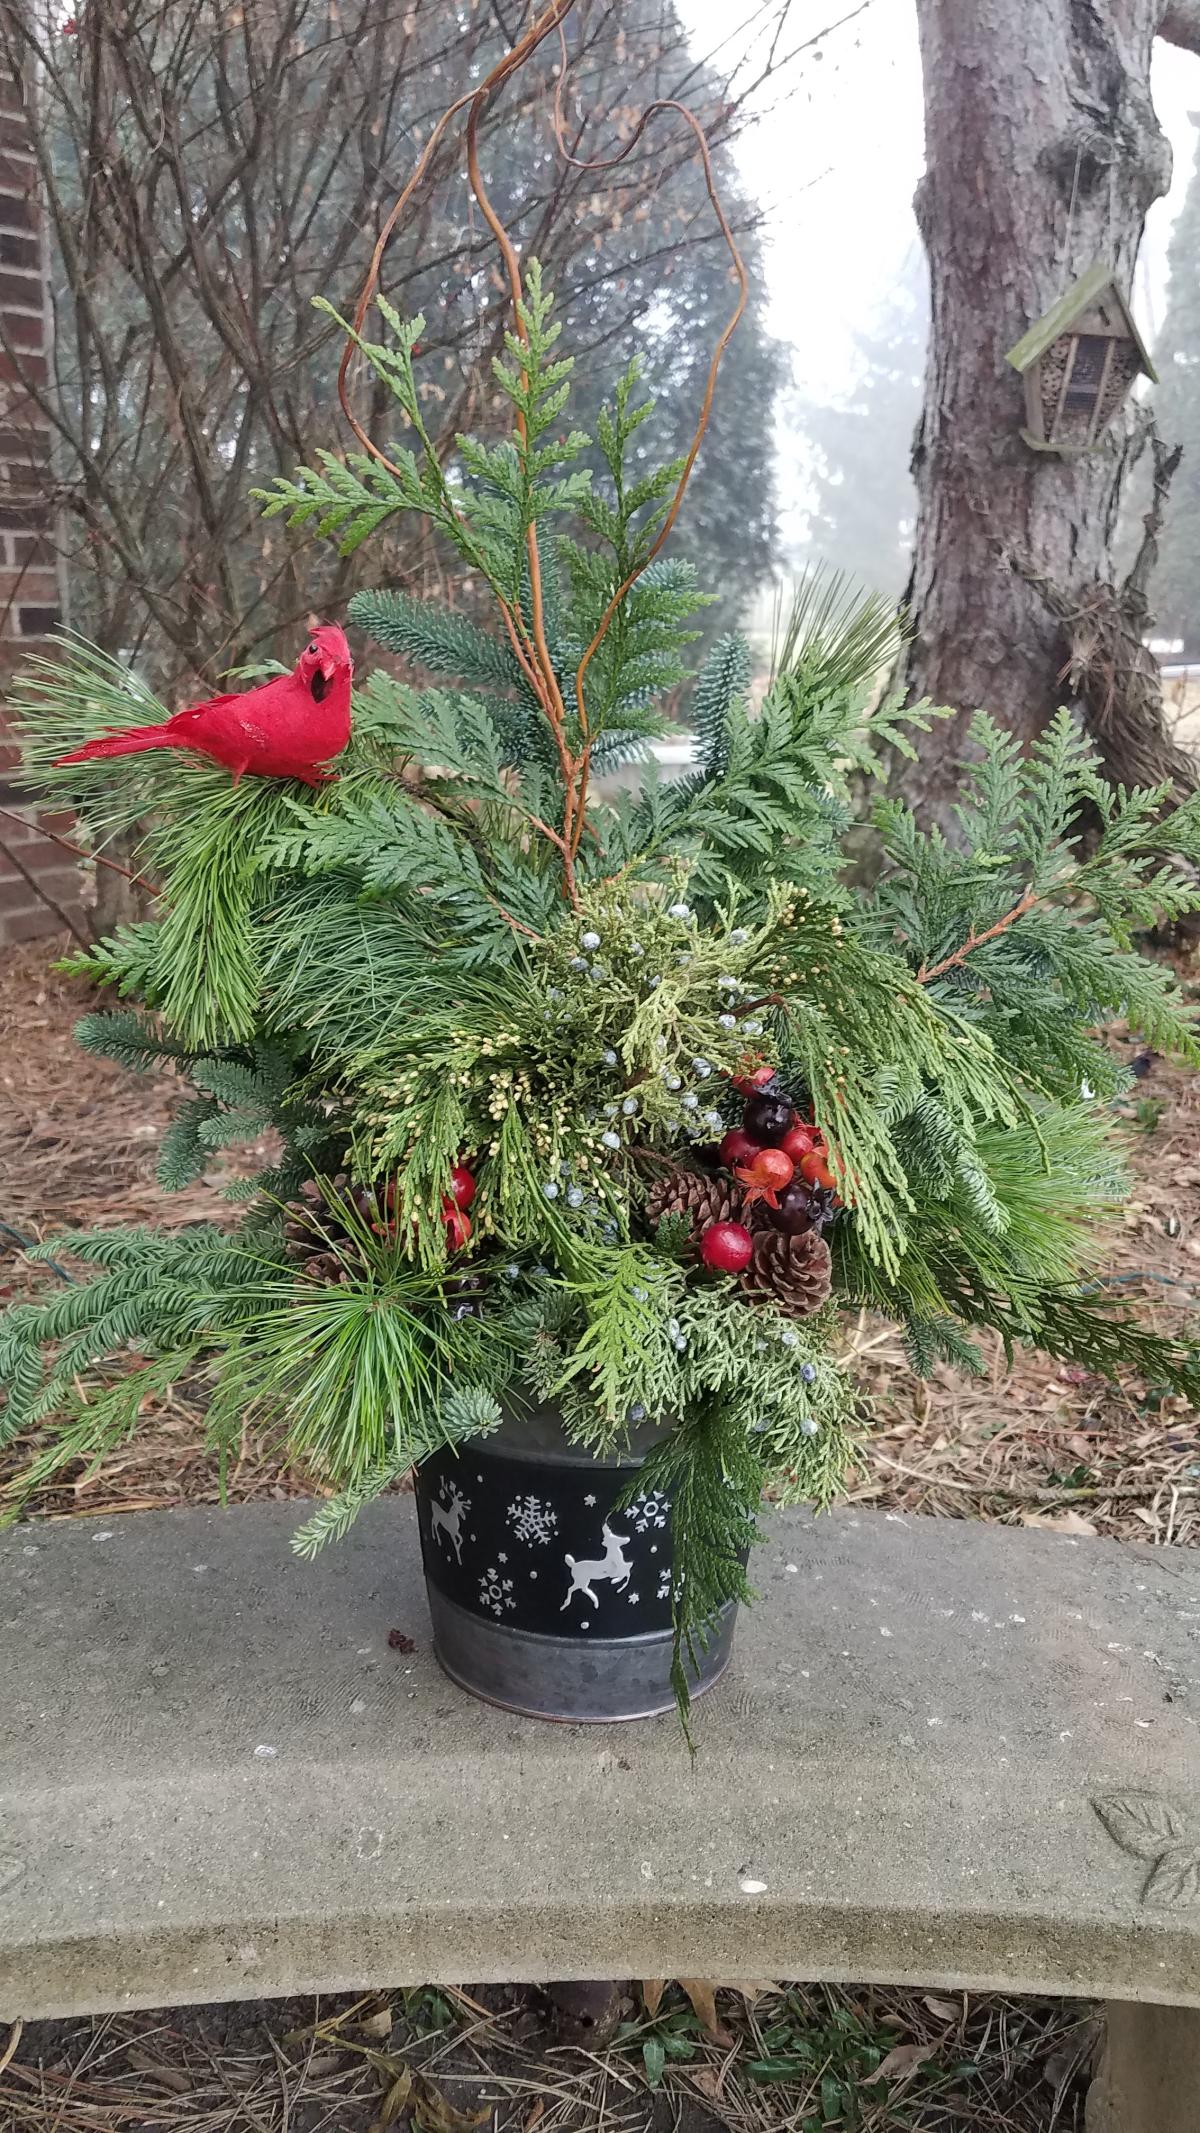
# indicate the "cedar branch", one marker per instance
pixel 925 975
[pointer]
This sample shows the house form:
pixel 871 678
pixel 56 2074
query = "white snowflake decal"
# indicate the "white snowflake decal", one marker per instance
pixel 590 1502
pixel 664 1586
pixel 495 1592
pixel 532 1520
pixel 649 1511
pixel 633 1598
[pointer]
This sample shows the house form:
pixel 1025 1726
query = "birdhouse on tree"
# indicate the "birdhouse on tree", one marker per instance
pixel 1078 363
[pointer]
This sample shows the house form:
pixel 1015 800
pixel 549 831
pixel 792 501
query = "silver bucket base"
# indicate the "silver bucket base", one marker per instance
pixel 566 1678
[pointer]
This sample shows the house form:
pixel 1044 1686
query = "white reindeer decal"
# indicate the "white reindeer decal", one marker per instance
pixel 612 1565
pixel 446 1522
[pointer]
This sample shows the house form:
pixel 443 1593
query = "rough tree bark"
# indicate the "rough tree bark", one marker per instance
pixel 1043 154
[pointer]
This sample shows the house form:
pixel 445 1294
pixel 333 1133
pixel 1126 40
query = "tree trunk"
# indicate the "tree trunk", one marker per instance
pixel 1043 154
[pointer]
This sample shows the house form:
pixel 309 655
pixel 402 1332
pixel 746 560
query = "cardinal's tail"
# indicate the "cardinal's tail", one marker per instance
pixel 134 741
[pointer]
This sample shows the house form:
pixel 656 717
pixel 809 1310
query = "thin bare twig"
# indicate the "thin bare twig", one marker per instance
pixel 43 894
pixel 77 851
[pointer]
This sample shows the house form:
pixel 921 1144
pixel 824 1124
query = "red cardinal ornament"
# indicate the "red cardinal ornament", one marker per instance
pixel 289 728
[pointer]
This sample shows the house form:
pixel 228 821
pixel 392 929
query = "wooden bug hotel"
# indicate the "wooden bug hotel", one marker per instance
pixel 1077 363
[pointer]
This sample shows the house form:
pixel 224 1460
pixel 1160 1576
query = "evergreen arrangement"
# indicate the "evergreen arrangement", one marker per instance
pixel 618 1100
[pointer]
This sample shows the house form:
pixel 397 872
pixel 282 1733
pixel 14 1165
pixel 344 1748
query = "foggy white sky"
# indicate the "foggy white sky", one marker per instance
pixel 835 165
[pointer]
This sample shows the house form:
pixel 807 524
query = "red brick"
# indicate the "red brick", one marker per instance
pixel 30 548
pixel 29 926
pixel 19 251
pixel 26 441
pixel 20 368
pixel 17 176
pixel 25 329
pixel 61 881
pixel 36 587
pixel 34 516
pixel 18 212
pixel 25 290
pixel 20 475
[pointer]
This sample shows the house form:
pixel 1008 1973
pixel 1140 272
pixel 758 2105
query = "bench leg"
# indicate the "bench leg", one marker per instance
pixel 1148 2071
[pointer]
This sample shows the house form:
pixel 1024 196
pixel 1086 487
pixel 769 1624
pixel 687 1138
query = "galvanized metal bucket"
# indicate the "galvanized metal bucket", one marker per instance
pixel 545 1598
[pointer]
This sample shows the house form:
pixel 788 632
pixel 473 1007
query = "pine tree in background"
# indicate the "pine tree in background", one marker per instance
pixel 859 447
pixel 1175 590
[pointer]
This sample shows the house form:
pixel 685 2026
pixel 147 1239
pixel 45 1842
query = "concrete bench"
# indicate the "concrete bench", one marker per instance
pixel 944 1754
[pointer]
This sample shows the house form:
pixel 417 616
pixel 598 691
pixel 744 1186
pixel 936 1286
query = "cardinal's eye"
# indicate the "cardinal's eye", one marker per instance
pixel 314 649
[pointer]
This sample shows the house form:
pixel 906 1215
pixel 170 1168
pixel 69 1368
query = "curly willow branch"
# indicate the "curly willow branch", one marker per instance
pixel 609 163
pixel 528 640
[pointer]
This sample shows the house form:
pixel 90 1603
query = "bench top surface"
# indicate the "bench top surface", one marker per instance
pixel 218 1779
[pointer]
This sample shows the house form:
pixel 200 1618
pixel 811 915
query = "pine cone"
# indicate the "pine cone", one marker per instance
pixel 793 1273
pixel 702 1198
pixel 315 1232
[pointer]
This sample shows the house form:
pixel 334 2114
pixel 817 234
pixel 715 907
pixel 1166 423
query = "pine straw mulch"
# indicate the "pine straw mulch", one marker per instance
pixel 775 2060
pixel 1042 1444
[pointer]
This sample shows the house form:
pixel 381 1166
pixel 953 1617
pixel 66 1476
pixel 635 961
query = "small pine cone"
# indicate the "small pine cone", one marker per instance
pixel 326 1214
pixel 300 1236
pixel 327 1267
pixel 793 1273
pixel 703 1198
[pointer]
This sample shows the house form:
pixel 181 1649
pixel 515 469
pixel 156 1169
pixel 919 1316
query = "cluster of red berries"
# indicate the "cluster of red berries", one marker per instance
pixel 454 1206
pixel 779 1159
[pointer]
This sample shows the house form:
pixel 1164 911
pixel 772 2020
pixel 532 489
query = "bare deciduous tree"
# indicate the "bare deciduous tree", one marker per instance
pixel 209 168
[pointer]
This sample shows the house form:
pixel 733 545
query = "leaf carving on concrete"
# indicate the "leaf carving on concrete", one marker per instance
pixel 1146 1827
pixel 1139 1822
pixel 1175 1878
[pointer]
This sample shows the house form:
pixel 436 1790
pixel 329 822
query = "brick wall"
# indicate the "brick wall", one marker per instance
pixel 30 593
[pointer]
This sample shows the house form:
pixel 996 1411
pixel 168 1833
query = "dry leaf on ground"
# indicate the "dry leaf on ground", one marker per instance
pixel 903 2060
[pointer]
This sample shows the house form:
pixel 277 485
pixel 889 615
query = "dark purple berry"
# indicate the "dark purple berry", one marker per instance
pixel 794 1214
pixel 766 1119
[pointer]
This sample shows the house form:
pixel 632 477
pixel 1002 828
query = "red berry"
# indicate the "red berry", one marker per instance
pixel 458 1226
pixel 766 1177
pixel 737 1147
pixel 799 1141
pixel 815 1170
pixel 769 1167
pixel 726 1247
pixel 462 1186
pixel 755 1078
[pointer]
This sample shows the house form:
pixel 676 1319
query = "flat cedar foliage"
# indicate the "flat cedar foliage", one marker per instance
pixel 457 952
